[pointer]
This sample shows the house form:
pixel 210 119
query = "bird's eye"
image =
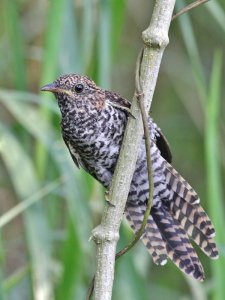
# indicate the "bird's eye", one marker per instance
pixel 78 88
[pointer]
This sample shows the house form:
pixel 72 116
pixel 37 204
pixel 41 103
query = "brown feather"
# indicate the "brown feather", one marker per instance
pixel 178 246
pixel 151 238
pixel 179 185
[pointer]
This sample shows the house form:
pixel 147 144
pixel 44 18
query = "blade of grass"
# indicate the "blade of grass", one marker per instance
pixel 195 58
pixel 72 262
pixel 16 43
pixel 87 33
pixel 14 96
pixel 50 68
pixel 25 204
pixel 43 132
pixel 192 49
pixel 198 291
pixel 118 9
pixel 70 48
pixel 76 198
pixel 214 184
pixel 210 138
pixel 15 278
pixel 128 282
pixel 2 293
pixel 53 36
pixel 78 210
pixel 104 43
pixel 24 180
pixel 217 11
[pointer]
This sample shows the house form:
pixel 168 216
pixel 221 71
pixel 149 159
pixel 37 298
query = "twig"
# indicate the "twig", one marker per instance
pixel 189 7
pixel 90 289
pixel 107 233
pixel 139 95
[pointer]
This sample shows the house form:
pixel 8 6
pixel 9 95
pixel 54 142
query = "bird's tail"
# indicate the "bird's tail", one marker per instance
pixel 171 224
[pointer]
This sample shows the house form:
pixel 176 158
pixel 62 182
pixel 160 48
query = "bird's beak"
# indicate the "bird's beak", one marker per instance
pixel 51 87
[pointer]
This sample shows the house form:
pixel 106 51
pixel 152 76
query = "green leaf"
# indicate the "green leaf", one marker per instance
pixel 16 41
pixel 73 265
pixel 50 68
pixel 24 179
pixel 217 11
pixel 104 43
pixel 214 183
pixel 193 52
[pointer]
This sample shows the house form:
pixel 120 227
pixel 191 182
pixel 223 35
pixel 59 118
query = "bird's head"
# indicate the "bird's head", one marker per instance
pixel 74 91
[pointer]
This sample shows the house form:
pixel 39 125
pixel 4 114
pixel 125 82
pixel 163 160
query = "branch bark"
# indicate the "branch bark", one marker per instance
pixel 106 235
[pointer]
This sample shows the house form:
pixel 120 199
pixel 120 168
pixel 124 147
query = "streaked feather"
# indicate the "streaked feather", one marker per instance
pixel 178 246
pixel 194 213
pixel 179 185
pixel 196 230
pixel 151 238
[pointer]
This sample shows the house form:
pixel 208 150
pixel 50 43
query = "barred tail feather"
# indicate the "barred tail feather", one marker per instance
pixel 179 185
pixel 196 232
pixel 154 242
pixel 164 238
pixel 151 238
pixel 185 208
pixel 173 219
pixel 178 247
pixel 194 213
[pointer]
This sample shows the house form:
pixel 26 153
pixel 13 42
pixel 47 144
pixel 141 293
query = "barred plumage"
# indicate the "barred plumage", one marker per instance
pixel 152 237
pixel 93 123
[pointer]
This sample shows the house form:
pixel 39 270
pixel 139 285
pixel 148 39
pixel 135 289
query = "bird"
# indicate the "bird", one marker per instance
pixel 93 122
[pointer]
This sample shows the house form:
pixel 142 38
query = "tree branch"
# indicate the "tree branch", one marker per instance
pixel 106 234
pixel 189 7
pixel 140 97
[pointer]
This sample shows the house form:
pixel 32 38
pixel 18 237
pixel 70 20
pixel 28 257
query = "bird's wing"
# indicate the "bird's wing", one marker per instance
pixel 163 146
pixel 117 101
pixel 72 153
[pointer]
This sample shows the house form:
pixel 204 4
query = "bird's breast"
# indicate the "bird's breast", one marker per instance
pixel 96 139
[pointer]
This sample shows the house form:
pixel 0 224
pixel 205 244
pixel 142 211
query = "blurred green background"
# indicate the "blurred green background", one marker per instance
pixel 47 206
